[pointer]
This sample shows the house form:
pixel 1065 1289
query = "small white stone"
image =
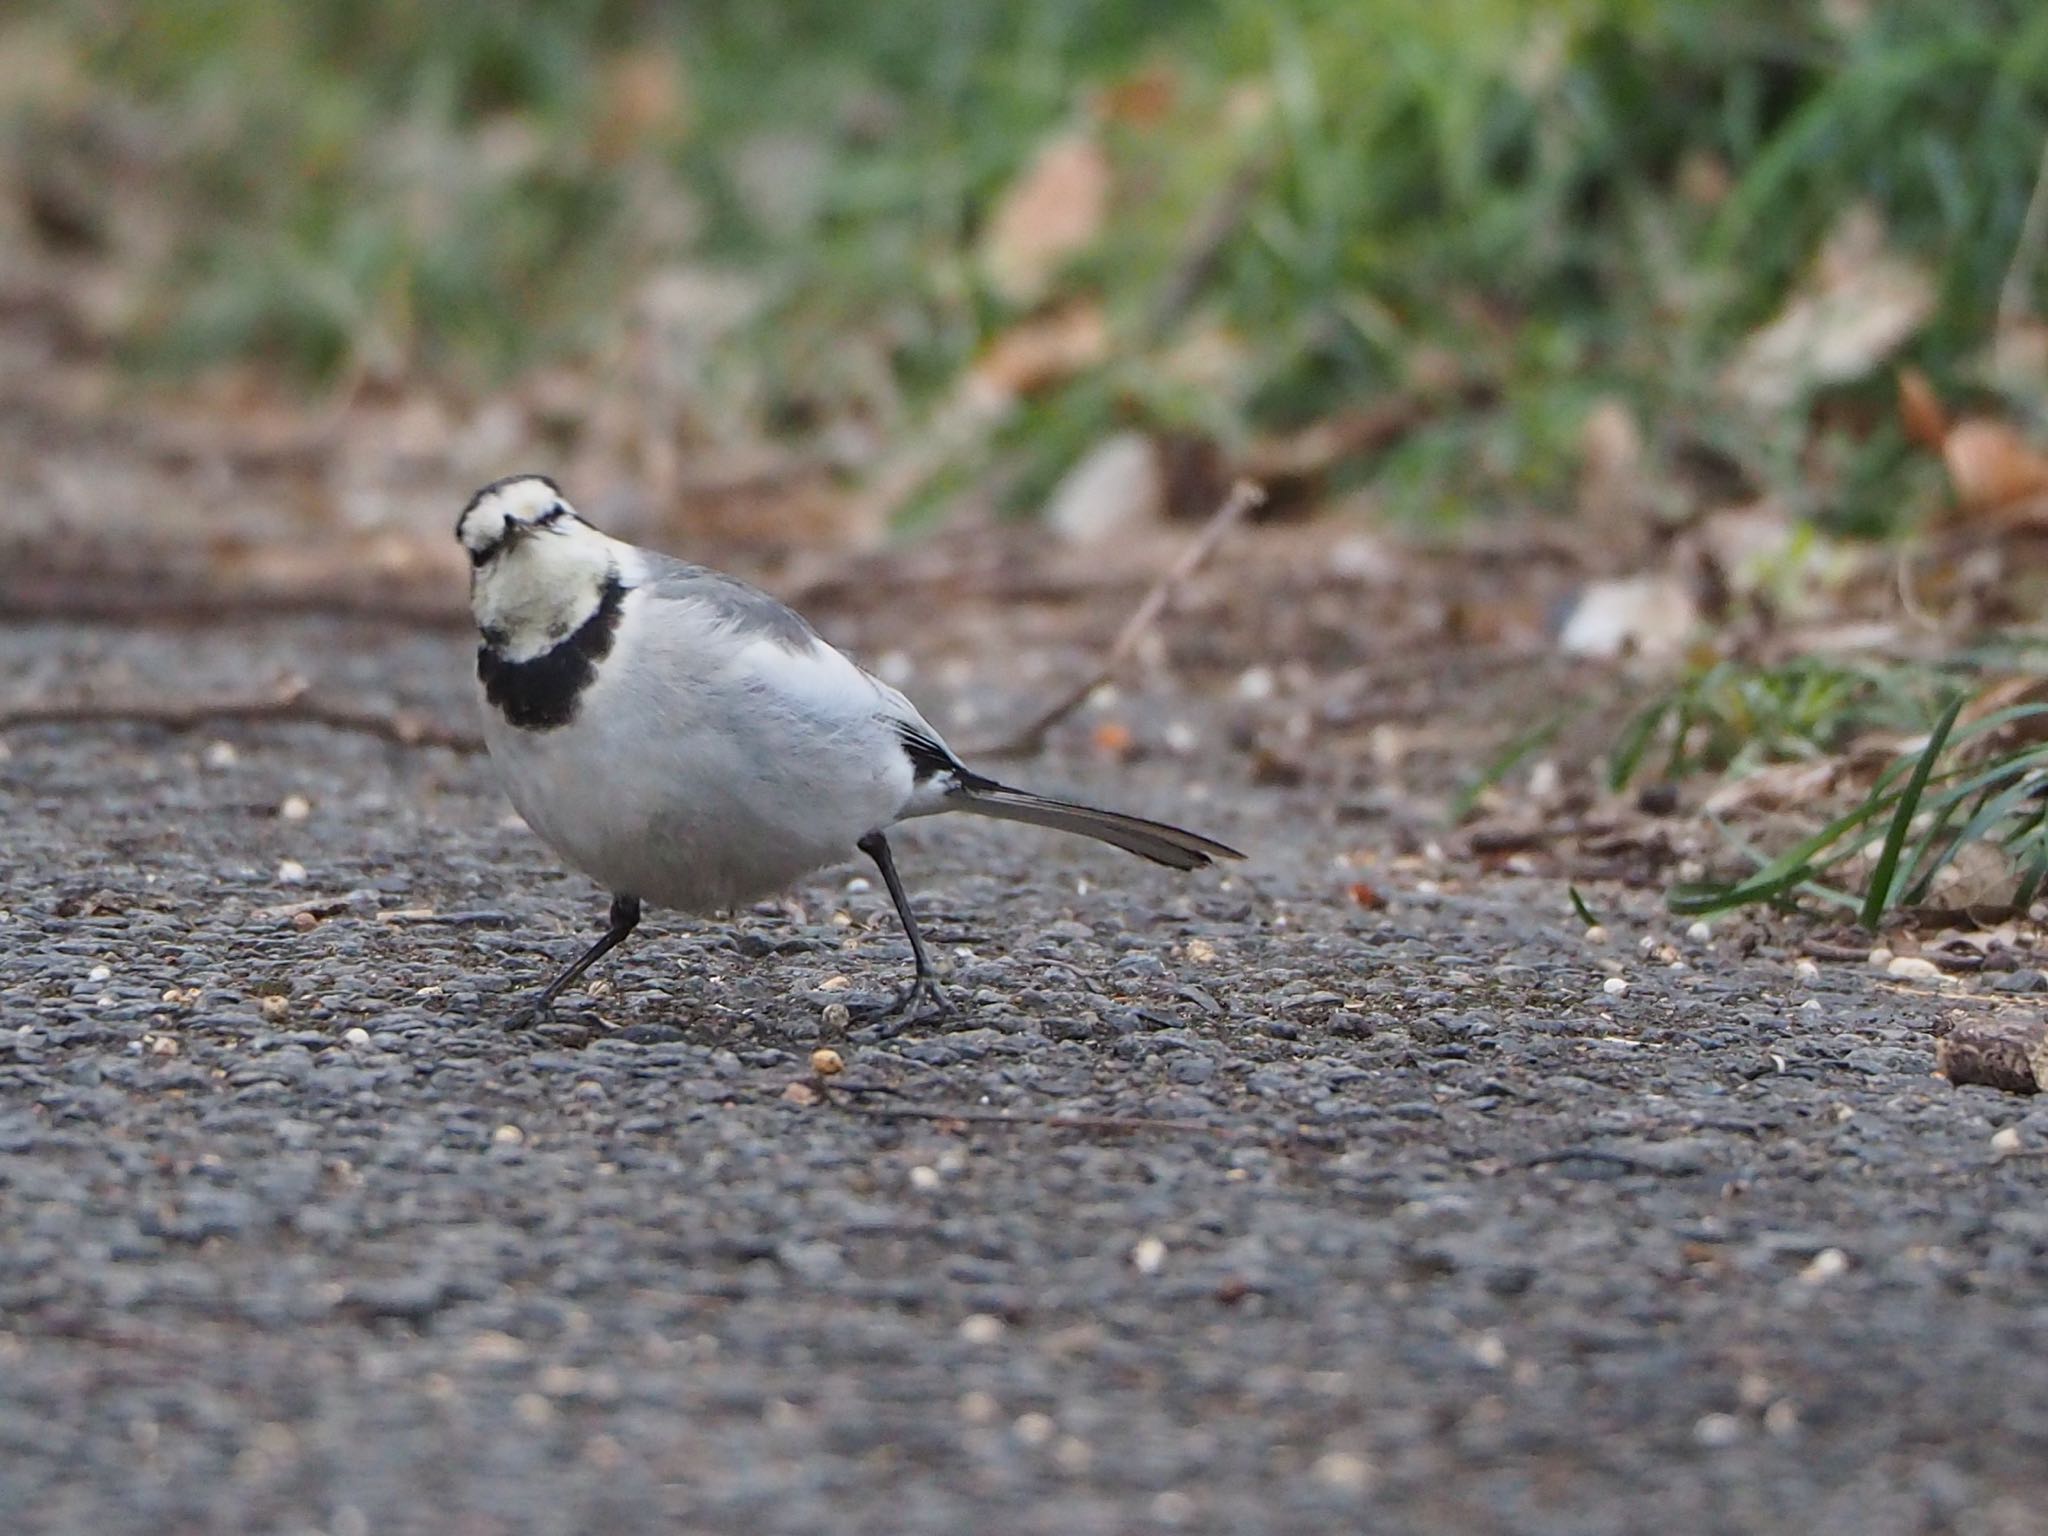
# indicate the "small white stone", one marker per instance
pixel 1255 684
pixel 981 1328
pixel 1811 1005
pixel 509 1136
pixel 1072 1455
pixel 835 1016
pixel 1912 968
pixel 1781 1419
pixel 99 973
pixel 291 872
pixel 1615 986
pixel 356 1036
pixel 1594 934
pixel 1699 933
pixel 979 1408
pixel 1201 951
pixel 221 754
pixel 1180 737
pixel 1035 1428
pixel 1172 1507
pixel 1147 1255
pixel 1717 1431
pixel 925 1177
pixel 1344 1471
pixel 1806 971
pixel 859 885
pixel 295 808
pixel 1880 957
pixel 1828 1264
pixel 2006 1139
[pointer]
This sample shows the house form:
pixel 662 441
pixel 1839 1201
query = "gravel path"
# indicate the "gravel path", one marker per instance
pixel 1431 1218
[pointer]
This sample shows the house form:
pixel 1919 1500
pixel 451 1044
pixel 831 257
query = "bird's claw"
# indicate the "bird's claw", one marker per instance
pixel 922 1002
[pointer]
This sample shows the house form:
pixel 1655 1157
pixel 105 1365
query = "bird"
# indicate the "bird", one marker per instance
pixel 689 742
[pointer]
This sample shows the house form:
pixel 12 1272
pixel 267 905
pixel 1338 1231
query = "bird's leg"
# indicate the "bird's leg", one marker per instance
pixel 923 997
pixel 625 918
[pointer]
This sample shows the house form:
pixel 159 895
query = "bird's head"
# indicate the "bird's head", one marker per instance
pixel 537 570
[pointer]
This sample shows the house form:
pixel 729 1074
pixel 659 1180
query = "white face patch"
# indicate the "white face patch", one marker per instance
pixel 540 571
pixel 523 501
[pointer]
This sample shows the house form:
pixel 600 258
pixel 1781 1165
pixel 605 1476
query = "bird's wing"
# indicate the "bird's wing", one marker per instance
pixel 802 662
pixel 751 613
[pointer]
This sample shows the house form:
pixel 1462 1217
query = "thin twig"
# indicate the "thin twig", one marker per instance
pixel 291 707
pixel 1042 1122
pixel 2013 304
pixel 1243 497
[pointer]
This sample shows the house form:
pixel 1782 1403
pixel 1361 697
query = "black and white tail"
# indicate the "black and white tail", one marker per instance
pixel 1175 847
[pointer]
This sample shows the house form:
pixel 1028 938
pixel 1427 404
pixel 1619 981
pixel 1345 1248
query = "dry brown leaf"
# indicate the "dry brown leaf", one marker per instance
pixel 645 97
pixel 1993 468
pixel 1143 97
pixel 1044 351
pixel 1051 213
pixel 1859 305
pixel 1922 416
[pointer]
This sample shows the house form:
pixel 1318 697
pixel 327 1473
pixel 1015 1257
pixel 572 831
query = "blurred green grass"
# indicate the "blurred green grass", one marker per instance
pixel 1568 200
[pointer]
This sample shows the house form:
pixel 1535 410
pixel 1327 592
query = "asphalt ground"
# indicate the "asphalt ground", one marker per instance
pixel 1229 1203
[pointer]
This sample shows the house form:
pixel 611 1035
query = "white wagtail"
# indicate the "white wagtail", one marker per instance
pixel 687 740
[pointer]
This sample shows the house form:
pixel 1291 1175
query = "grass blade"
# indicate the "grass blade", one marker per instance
pixel 1879 895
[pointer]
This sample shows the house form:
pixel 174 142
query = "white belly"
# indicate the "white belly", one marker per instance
pixel 700 793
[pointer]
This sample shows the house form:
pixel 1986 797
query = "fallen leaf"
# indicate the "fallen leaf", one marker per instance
pixel 1143 97
pixel 1646 615
pixel 1858 306
pixel 1922 416
pixel 1992 467
pixel 1042 352
pixel 1366 896
pixel 1051 213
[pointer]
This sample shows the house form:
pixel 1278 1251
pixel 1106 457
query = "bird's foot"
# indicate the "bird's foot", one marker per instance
pixel 531 1016
pixel 922 1002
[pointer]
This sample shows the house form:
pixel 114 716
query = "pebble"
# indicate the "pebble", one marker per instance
pixel 981 1328
pixel 291 872
pixel 1806 970
pixel 925 1177
pixel 1717 1431
pixel 1828 1264
pixel 827 1062
pixel 356 1036
pixel 1699 933
pixel 835 1018
pixel 2006 1139
pixel 1595 933
pixel 1035 1429
pixel 1343 1472
pixel 979 1408
pixel 509 1136
pixel 1147 1255
pixel 1911 968
pixel 1615 986
pixel 1880 957
pixel 295 808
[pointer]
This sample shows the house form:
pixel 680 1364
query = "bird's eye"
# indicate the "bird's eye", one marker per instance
pixel 554 514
